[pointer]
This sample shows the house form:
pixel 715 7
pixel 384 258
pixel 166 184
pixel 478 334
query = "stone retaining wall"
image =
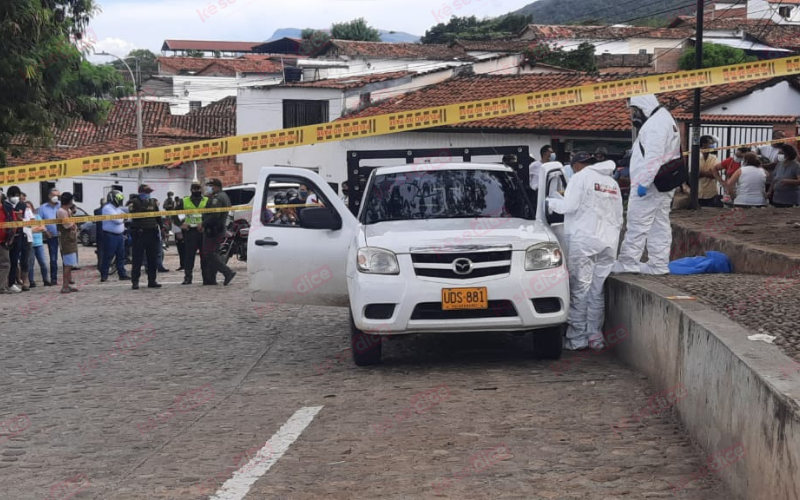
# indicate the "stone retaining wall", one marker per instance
pixel 739 391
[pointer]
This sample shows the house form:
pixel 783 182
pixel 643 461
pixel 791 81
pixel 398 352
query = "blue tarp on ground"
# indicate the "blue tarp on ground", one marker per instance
pixel 713 262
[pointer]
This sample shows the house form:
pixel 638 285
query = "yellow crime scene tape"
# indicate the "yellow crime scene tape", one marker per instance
pixel 748 145
pixel 451 114
pixel 144 215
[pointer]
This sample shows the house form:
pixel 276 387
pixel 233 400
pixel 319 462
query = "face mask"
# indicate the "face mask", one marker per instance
pixel 303 194
pixel 144 196
pixel 713 145
pixel 196 194
pixel 14 200
pixel 781 157
pixel 54 199
pixel 209 190
pixel 638 118
pixel 552 157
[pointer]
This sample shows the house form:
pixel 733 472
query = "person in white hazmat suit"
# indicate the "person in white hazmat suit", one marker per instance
pixel 592 208
pixel 657 143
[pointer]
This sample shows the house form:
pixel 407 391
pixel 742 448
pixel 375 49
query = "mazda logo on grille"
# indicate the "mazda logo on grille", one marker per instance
pixel 462 266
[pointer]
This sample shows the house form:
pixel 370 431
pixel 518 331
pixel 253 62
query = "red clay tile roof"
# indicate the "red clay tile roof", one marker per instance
pixel 209 45
pixel 720 24
pixel 254 63
pixel 556 32
pixel 785 2
pixel 234 66
pixel 780 36
pixel 493 45
pixel 384 50
pixel 175 65
pixel 604 116
pixel 352 82
pixel 118 133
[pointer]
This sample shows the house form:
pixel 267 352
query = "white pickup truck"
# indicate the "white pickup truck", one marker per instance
pixel 456 249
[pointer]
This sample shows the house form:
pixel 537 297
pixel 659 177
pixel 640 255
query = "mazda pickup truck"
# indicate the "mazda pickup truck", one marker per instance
pixel 459 248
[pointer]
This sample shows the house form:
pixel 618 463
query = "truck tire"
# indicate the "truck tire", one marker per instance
pixel 366 348
pixel 548 342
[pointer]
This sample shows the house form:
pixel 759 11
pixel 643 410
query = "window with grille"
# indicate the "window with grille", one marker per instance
pixel 193 105
pixel 301 113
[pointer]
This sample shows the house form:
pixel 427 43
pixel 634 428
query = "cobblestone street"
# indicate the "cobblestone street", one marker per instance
pixel 172 414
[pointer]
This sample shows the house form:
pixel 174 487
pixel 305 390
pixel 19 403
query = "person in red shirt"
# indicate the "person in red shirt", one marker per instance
pixel 5 260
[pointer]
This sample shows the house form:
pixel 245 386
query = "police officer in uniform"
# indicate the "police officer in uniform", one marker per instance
pixel 145 238
pixel 214 226
pixel 192 230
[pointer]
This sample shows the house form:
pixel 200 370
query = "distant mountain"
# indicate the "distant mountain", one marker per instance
pixel 386 36
pixel 604 11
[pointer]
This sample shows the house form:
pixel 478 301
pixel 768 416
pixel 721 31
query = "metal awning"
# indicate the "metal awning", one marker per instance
pixel 738 43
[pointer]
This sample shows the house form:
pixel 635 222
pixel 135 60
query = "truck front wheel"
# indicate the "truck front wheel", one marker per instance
pixel 366 348
pixel 547 343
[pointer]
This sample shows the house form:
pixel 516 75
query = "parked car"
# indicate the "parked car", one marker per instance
pixel 456 249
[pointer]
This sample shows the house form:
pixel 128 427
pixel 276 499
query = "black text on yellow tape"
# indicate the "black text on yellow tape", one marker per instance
pixel 451 114
pixel 138 215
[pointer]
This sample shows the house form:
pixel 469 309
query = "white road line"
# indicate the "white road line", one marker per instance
pixel 237 487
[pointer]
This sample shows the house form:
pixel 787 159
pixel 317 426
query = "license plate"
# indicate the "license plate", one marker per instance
pixel 464 298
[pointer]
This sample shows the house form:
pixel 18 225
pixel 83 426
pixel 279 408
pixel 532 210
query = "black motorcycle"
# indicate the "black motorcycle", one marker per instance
pixel 235 242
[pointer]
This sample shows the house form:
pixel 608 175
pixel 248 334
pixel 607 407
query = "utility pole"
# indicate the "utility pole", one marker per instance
pixel 694 179
pixel 139 132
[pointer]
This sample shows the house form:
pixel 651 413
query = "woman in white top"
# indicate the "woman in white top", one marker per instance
pixel 747 186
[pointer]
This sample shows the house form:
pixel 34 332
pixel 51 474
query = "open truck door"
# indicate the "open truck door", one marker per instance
pixel 298 243
pixel 552 182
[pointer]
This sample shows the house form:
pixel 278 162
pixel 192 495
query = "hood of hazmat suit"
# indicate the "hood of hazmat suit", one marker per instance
pixel 658 142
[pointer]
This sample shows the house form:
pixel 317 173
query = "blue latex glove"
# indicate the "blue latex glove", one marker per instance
pixel 641 191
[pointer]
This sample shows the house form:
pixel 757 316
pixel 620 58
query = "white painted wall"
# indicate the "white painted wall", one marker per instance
pixel 780 99
pixel 629 46
pixel 761 9
pixel 96 186
pixel 369 66
pixel 209 89
pixel 330 158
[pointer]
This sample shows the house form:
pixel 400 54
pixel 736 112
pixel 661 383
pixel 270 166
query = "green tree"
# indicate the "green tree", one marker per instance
pixel 471 28
pixel 313 41
pixel 194 53
pixel 148 66
pixel 357 29
pixel 46 81
pixel 715 55
pixel 580 59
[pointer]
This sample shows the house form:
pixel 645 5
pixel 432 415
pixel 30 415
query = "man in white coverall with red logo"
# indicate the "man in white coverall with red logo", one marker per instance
pixel 657 143
pixel 592 208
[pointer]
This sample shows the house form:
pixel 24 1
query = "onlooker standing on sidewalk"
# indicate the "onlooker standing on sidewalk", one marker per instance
pixel 27 248
pixel 145 238
pixel 785 179
pixel 98 236
pixel 5 262
pixel 708 192
pixel 48 211
pixel 214 226
pixel 68 235
pixel 747 184
pixel 113 236
pixel 192 230
pixel 16 208
pixel 177 222
pixel 37 251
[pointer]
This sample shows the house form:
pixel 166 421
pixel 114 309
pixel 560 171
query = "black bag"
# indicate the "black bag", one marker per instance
pixel 670 175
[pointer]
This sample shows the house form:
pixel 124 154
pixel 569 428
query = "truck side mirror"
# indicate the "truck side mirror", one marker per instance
pixel 319 218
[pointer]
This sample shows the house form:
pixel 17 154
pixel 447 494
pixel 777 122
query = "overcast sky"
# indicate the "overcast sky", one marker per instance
pixel 124 25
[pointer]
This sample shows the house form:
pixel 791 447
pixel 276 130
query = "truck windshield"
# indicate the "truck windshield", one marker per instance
pixel 445 194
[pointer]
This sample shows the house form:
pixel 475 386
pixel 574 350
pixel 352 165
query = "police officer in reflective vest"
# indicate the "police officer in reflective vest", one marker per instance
pixel 192 230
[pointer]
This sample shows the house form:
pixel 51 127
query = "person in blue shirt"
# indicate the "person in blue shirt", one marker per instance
pixel 48 211
pixel 113 237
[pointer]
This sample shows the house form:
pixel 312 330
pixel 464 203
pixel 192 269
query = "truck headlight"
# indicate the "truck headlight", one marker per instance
pixel 377 261
pixel 543 256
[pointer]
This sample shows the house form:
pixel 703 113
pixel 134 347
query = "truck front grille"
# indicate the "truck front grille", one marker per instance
pixel 443 265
